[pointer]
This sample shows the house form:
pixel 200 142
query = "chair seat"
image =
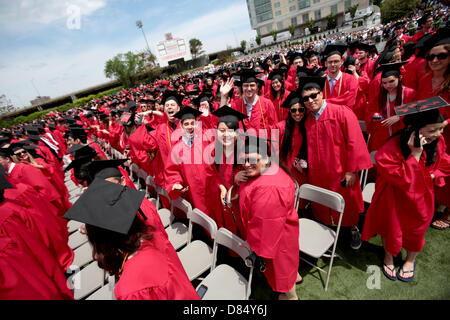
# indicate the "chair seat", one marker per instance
pixel 73 226
pixel 76 239
pixel 196 258
pixel 87 280
pixel 82 255
pixel 104 293
pixel 166 217
pixel 368 192
pixel 315 238
pixel 178 234
pixel 224 283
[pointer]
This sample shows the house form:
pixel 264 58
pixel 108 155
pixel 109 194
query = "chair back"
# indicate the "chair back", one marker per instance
pixel 328 198
pixel 201 218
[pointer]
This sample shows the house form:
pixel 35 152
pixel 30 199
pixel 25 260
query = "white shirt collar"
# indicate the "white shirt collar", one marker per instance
pixel 11 167
pixel 337 78
pixel 254 100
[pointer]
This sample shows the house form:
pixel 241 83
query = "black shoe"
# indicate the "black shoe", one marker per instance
pixel 356 242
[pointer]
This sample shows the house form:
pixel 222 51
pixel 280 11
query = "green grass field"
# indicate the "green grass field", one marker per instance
pixel 350 279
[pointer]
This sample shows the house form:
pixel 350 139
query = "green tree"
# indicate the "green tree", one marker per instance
pixel 125 68
pixel 258 39
pixel 196 47
pixel 392 10
pixel 331 21
pixel 292 30
pixel 243 45
pixel 310 25
pixel 274 35
pixel 353 9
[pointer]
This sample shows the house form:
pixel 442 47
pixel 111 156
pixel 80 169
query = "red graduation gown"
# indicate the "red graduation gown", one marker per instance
pixel 297 140
pixel 336 146
pixel 281 113
pixel 154 273
pixel 272 227
pixel 24 277
pixel 424 91
pixel 137 154
pixel 368 67
pixel 189 166
pixel 344 91
pixel 36 214
pixel 379 134
pixel 262 117
pixel 403 203
pixel 361 104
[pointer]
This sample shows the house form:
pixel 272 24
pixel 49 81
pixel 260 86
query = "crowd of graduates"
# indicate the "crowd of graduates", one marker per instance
pixel 236 144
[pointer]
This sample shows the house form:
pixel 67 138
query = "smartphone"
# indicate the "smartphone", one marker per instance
pixel 344 183
pixel 417 139
pixel 202 290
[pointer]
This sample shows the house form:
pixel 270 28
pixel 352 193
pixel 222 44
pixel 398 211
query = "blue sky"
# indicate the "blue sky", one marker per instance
pixel 44 43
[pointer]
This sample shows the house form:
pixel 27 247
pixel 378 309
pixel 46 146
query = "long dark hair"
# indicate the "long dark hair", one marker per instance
pixel 429 149
pixel 219 147
pixel 286 144
pixel 382 97
pixel 274 93
pixel 110 248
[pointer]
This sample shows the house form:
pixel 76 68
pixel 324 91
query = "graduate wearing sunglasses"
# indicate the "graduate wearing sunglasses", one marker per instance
pixel 336 152
pixel 292 133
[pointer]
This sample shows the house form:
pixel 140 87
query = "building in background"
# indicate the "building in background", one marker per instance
pixel 268 15
pixel 173 50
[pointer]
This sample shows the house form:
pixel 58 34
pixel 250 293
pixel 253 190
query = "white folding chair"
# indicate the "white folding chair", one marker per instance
pixel 364 173
pixel 76 239
pixel 368 192
pixel 165 214
pixel 73 226
pixel 106 292
pixel 82 255
pixel 362 125
pixel 86 281
pixel 197 256
pixel 315 238
pixel 178 232
pixel 224 282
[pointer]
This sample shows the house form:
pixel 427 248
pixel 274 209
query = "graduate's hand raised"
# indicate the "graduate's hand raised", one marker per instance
pixel 390 121
pixel 241 176
pixel 227 86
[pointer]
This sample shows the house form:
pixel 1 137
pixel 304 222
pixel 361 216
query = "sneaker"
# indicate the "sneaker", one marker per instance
pixel 356 242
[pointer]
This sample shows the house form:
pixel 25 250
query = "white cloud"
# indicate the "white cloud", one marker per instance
pixel 55 73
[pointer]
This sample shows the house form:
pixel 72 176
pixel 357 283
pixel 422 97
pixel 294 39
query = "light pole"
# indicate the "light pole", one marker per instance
pixel 140 26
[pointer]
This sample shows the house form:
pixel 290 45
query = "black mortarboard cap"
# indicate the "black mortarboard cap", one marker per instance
pixel 277 74
pixel 78 132
pixel 316 82
pixel 365 47
pixel 291 99
pixel 78 162
pixel 79 150
pixel 172 95
pixel 4 141
pixel 187 113
pixel 336 48
pixel 390 69
pixel 255 144
pixel 418 108
pixel 227 114
pixel 249 75
pixel 106 168
pixel 107 205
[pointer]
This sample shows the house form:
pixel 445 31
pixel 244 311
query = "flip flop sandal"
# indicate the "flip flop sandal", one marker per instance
pixel 440 224
pixel 399 277
pixel 393 278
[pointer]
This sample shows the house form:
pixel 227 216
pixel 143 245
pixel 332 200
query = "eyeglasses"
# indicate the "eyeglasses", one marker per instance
pixel 20 153
pixel 440 56
pixel 298 110
pixel 312 96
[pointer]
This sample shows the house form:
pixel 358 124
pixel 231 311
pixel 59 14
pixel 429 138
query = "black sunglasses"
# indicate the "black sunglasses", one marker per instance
pixel 312 96
pixel 20 153
pixel 440 56
pixel 298 110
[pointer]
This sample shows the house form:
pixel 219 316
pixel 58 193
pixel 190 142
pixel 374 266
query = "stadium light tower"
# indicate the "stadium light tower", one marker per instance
pixel 140 26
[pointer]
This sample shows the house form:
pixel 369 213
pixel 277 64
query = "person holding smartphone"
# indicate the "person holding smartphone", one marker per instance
pixel 403 203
